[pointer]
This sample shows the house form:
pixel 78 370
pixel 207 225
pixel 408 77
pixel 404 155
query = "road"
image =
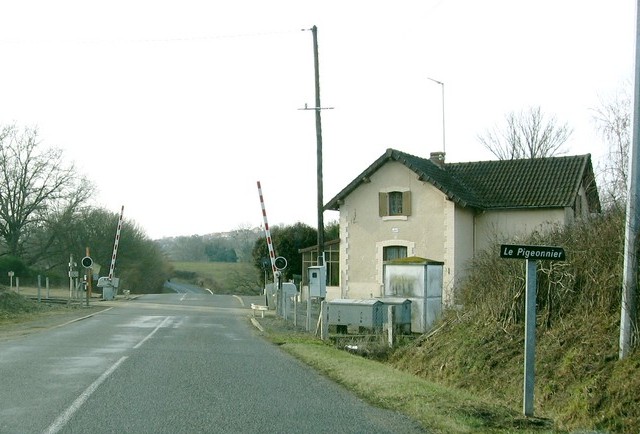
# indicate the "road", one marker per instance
pixel 172 363
pixel 182 288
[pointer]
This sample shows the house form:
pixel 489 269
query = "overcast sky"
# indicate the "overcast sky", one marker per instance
pixel 175 109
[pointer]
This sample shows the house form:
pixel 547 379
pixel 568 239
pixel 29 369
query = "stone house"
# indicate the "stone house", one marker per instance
pixel 403 205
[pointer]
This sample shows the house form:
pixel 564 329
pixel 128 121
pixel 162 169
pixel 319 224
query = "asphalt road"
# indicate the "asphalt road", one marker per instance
pixel 182 288
pixel 172 363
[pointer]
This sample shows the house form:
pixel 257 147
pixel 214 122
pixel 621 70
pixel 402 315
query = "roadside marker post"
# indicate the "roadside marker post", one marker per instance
pixel 530 254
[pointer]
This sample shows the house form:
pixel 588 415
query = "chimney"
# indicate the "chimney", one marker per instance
pixel 437 158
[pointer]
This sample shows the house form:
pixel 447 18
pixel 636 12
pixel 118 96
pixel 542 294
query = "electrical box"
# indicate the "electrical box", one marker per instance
pixel 289 289
pixel 365 314
pixel 317 281
pixel 402 318
pixel 420 281
pixel 105 281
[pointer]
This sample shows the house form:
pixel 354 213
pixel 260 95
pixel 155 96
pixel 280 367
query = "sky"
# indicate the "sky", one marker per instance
pixel 176 109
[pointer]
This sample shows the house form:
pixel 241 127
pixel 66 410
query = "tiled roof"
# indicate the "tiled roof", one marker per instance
pixel 524 183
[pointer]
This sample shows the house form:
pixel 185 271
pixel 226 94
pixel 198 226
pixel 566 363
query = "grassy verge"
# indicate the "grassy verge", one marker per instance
pixel 437 408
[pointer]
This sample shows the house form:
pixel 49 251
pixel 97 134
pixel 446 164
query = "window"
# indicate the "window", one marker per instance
pixel 394 252
pixel 394 203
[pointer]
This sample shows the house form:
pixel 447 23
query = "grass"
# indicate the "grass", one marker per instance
pixel 439 409
pixel 220 277
pixel 18 313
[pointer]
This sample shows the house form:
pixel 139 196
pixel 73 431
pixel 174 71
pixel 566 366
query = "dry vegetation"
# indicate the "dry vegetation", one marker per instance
pixel 580 383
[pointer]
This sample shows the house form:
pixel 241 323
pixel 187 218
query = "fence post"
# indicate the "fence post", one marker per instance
pixel 39 289
pixel 391 320
pixel 308 311
pixel 295 311
pixel 324 320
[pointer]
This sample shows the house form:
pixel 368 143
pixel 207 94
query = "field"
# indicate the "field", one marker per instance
pixel 220 277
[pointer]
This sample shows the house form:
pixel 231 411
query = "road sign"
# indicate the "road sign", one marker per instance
pixel 532 252
pixel 87 262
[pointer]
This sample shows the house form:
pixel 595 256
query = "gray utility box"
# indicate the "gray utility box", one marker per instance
pixel 402 318
pixel 419 280
pixel 345 313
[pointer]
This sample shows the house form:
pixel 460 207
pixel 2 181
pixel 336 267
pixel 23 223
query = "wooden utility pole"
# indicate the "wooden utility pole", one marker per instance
pixel 632 230
pixel 318 108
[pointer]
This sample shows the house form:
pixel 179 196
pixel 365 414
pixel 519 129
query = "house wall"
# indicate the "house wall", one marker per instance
pixel 510 225
pixel 464 248
pixel 364 234
pixel 437 229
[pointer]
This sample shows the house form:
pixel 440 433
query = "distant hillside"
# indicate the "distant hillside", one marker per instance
pixel 221 278
pixel 215 247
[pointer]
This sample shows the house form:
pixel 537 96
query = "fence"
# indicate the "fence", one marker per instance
pixel 41 287
pixel 312 316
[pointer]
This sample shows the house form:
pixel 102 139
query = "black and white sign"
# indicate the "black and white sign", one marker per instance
pixel 532 252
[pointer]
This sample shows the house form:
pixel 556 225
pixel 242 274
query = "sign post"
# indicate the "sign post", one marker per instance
pixel 530 254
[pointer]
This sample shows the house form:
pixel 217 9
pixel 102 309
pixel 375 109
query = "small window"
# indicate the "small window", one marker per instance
pixel 395 203
pixel 394 252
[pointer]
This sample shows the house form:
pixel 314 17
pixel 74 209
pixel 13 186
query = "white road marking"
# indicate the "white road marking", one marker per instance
pixel 64 418
pixel 139 344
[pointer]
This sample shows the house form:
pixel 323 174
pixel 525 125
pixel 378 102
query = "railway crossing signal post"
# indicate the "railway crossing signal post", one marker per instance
pixel 530 254
pixel 87 262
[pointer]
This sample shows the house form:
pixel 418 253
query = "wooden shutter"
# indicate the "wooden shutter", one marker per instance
pixel 406 203
pixel 383 204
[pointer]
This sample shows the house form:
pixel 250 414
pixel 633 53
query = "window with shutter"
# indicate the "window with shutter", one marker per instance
pixel 394 203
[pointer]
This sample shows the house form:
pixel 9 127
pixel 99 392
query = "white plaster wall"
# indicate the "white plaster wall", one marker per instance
pixel 513 225
pixel 363 233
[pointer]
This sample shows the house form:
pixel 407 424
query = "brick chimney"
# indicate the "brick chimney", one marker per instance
pixel 437 158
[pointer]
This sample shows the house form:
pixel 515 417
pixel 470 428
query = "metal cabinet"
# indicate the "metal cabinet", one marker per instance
pixel 365 314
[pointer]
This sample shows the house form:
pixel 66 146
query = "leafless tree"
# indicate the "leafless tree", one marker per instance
pixel 35 185
pixel 527 134
pixel 613 122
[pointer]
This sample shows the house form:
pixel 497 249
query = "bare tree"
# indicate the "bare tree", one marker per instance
pixel 527 134
pixel 613 122
pixel 34 185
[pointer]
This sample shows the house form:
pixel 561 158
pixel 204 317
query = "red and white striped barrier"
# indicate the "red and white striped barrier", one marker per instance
pixel 115 245
pixel 267 233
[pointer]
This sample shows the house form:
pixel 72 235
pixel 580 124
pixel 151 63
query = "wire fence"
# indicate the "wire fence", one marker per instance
pixel 303 315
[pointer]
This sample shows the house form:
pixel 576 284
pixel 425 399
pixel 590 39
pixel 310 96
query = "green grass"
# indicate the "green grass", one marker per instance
pixel 439 409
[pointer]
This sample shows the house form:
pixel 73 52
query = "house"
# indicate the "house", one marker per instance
pixel 403 205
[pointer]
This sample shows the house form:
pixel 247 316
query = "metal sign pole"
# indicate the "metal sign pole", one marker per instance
pixel 529 338
pixel 531 254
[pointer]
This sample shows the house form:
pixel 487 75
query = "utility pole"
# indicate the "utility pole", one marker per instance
pixel 318 108
pixel 630 269
pixel 314 31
